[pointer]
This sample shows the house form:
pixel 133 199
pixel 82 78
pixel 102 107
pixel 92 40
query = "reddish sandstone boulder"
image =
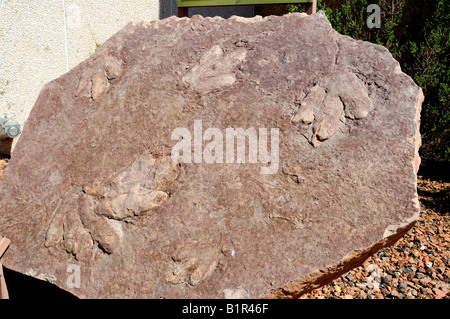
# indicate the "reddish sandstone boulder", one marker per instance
pixel 92 184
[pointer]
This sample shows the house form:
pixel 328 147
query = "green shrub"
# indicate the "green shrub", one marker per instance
pixel 428 64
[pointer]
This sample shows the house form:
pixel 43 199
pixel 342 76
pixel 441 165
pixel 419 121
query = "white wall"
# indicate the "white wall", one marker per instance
pixel 42 39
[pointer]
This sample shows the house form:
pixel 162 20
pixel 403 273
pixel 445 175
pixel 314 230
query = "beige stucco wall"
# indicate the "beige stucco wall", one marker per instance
pixel 41 39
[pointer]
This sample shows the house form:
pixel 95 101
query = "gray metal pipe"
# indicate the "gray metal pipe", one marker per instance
pixel 9 126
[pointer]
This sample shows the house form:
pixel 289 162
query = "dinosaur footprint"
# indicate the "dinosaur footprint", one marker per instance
pixel 327 105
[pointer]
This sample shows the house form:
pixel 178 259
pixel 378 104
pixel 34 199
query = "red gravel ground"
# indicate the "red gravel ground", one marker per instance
pixel 416 267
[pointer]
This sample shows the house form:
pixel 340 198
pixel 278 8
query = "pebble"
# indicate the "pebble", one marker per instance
pixel 402 286
pixel 378 295
pixel 408 271
pixel 439 293
pixel 392 272
pixel 394 293
pixel 361 286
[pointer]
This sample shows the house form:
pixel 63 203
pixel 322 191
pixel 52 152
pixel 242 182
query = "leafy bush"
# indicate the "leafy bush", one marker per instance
pixel 427 63
pixel 417 33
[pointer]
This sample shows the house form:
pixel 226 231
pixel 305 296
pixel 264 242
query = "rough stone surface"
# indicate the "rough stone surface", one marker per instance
pixel 92 183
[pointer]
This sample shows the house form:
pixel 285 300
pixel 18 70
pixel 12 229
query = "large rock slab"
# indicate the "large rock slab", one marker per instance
pixel 92 184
